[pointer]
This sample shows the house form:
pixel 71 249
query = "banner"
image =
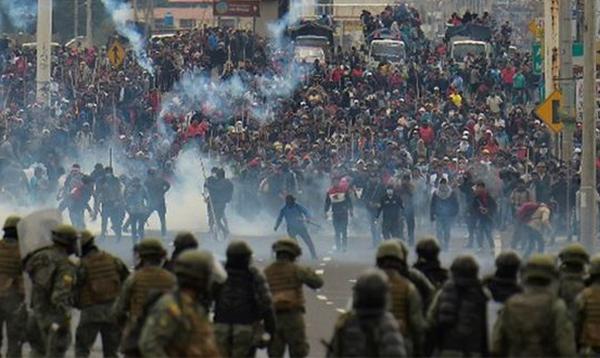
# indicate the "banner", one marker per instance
pixel 236 8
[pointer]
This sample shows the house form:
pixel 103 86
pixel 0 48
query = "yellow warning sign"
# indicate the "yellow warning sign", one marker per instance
pixel 116 54
pixel 535 29
pixel 549 112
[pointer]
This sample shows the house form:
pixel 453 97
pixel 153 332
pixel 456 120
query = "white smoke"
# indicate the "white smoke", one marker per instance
pixel 122 16
pixel 21 13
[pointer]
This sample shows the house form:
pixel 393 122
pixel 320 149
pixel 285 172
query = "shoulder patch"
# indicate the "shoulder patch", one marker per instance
pixel 67 280
pixel 173 309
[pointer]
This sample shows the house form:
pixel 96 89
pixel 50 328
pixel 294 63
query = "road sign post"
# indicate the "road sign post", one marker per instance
pixel 116 54
pixel 549 112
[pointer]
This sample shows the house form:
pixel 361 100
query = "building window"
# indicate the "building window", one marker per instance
pixel 187 23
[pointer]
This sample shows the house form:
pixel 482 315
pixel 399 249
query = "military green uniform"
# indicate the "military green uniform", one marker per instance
pixel 137 288
pixel 100 279
pixel 53 278
pixel 368 330
pixel 146 280
pixel 587 317
pixel 177 325
pixel 243 305
pixel 286 279
pixel 405 305
pixel 12 296
pixel 535 323
pixel 572 274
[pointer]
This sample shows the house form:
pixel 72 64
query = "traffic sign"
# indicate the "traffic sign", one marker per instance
pixel 549 112
pixel 116 54
pixel 533 27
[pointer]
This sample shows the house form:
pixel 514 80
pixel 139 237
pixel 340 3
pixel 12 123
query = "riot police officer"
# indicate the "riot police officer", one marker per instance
pixel 12 295
pixel 100 278
pixel 286 279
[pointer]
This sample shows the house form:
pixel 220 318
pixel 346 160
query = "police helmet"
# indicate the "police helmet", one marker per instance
pixel 464 266
pixel 391 249
pixel 595 265
pixel 508 259
pixel 238 248
pixel 428 247
pixel 11 222
pixel 539 266
pixel 288 245
pixel 370 291
pixel 185 239
pixel 86 237
pixel 150 247
pixel 574 253
pixel 64 234
pixel 194 265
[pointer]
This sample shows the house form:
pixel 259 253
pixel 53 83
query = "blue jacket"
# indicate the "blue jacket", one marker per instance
pixel 294 216
pixel 446 208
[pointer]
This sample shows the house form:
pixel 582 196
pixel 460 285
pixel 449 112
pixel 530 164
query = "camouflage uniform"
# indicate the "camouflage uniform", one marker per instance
pixel 286 279
pixel 572 271
pixel 148 278
pixel 242 305
pixel 535 323
pixel 12 294
pixel 368 330
pixel 177 325
pixel 587 318
pixel 100 278
pixel 405 305
pixel 53 278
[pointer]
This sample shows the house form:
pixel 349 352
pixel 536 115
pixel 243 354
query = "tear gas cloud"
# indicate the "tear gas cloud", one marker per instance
pixel 259 95
pixel 195 91
pixel 21 13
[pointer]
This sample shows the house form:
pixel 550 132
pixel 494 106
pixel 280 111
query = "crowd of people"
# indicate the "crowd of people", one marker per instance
pixel 544 307
pixel 404 145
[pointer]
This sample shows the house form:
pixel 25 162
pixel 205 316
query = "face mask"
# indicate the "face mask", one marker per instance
pixel 390 192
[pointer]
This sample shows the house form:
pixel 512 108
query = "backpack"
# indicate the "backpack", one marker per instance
pixel 526 211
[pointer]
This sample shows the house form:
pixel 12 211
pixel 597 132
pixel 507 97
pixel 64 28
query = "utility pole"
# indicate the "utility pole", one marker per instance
pixel 135 10
pixel 76 19
pixel 588 164
pixel 43 39
pixel 567 97
pixel 89 40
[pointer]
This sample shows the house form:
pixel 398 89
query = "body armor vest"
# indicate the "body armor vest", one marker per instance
pixel 285 285
pixel 145 280
pixel 399 287
pixel 530 332
pixel 198 338
pixel 11 274
pixel 590 335
pixel 103 283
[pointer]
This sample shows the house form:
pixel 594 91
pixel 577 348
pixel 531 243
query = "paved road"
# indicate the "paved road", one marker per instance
pixel 339 272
